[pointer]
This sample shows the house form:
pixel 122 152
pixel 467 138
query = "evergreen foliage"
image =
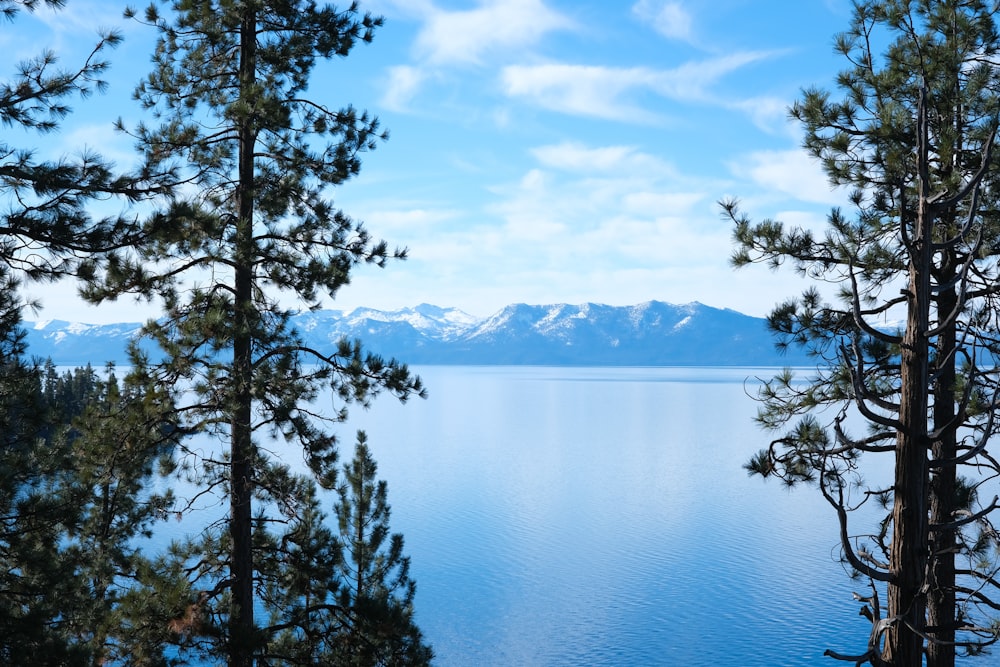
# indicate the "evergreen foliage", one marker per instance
pixel 249 223
pixel 76 507
pixel 69 512
pixel 45 229
pixel 346 597
pixel 378 592
pixel 121 447
pixel 241 162
pixel 911 131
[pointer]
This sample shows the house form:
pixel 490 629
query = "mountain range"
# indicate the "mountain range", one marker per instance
pixel 648 334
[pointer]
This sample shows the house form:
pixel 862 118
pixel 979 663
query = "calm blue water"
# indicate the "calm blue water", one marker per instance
pixel 580 516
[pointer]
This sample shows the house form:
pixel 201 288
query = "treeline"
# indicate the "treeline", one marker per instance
pixel 225 217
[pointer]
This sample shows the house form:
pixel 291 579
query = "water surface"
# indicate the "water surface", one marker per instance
pixel 601 516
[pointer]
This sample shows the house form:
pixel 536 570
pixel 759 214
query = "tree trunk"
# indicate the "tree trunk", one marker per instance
pixel 908 551
pixel 241 620
pixel 907 559
pixel 941 594
pixel 941 609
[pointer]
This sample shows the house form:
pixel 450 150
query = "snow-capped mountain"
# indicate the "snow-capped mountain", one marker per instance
pixel 648 334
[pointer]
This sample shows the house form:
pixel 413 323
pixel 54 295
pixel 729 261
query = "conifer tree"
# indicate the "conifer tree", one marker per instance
pixel 377 592
pixel 32 569
pixel 45 234
pixel 913 137
pixel 45 229
pixel 118 447
pixel 345 597
pixel 251 223
pixel 76 502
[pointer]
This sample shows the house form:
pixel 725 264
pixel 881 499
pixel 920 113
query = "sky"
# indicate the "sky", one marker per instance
pixel 540 151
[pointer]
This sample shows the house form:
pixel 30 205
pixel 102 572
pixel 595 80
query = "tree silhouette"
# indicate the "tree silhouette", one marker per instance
pixel 250 222
pixel 913 136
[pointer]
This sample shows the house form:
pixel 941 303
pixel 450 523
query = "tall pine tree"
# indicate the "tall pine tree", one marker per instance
pixel 913 135
pixel 251 223
pixel 45 234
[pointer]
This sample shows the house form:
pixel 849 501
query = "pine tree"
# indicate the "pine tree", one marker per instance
pixel 913 137
pixel 45 234
pixel 45 230
pixel 76 502
pixel 345 597
pixel 252 221
pixel 119 447
pixel 306 621
pixel 32 569
pixel 378 592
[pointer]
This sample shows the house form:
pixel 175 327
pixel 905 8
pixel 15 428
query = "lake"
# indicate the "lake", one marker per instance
pixel 601 516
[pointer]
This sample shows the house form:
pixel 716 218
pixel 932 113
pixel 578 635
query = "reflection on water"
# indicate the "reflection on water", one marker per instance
pixel 560 516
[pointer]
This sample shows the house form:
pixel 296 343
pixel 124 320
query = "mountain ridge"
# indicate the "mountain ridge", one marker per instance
pixel 652 333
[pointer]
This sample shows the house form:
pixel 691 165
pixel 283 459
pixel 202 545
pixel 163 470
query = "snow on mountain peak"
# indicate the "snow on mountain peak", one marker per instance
pixel 651 333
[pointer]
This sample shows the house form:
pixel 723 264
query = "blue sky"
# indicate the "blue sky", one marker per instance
pixel 541 151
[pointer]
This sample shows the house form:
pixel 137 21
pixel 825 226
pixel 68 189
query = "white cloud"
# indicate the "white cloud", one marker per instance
pixel 402 85
pixel 692 80
pixel 769 114
pixel 71 32
pixel 76 26
pixel 614 209
pixel 611 223
pixel 604 92
pixel 670 19
pixel 500 30
pixel 604 207
pixel 78 17
pixel 791 172
pixel 466 37
pixel 416 221
pixel 581 90
pixel 574 156
pixel 101 138
pixel 672 203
